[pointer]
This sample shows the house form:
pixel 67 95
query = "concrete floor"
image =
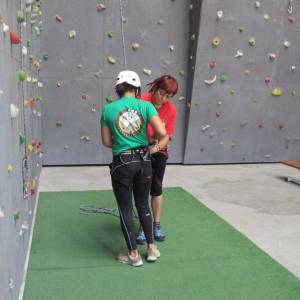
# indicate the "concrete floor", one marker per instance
pixel 254 199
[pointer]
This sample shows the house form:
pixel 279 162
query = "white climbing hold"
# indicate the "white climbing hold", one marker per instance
pixel 181 98
pixel 1 93
pixel 239 54
pixel 257 4
pixel 24 50
pixel 210 81
pixel 160 22
pixel 5 27
pixel 286 44
pixel 244 123
pixel 266 17
pixel 85 138
pixel 206 127
pixel 220 14
pixel 293 68
pixel 171 47
pixel 2 214
pixel 14 111
pixel 11 283
pixel 272 56
pixel 93 109
pixel 147 71
pixel 72 34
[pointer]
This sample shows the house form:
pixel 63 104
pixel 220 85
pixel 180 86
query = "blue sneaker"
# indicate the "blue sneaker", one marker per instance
pixel 141 239
pixel 158 234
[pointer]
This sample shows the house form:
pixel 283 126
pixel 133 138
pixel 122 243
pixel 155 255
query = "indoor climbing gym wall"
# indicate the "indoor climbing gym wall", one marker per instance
pixel 87 43
pixel 20 136
pixel 244 104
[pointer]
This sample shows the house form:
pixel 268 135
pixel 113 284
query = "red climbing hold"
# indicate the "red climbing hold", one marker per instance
pixel 15 38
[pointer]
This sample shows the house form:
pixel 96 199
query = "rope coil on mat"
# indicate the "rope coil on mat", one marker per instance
pixel 91 209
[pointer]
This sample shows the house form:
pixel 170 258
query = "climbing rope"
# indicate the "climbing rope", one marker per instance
pixel 123 35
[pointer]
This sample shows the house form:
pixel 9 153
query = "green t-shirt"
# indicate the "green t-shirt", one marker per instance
pixel 127 119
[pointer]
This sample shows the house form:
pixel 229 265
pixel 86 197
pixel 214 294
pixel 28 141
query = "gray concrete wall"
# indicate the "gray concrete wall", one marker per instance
pixel 239 120
pixel 17 193
pixel 64 105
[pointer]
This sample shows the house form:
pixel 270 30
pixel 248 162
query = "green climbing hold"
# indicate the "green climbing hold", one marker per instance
pixel 110 34
pixel 109 99
pixel 123 20
pixel 39 98
pixel 28 43
pixel 21 139
pixel 223 77
pixel 252 41
pixel 111 59
pixel 21 76
pixel 59 124
pixel 45 56
pixel 241 29
pixel 16 215
pixel 20 16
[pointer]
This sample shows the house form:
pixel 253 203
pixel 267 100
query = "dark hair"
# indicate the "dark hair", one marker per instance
pixel 124 87
pixel 166 83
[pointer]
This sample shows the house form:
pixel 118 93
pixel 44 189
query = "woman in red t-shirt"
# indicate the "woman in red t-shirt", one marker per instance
pixel 160 93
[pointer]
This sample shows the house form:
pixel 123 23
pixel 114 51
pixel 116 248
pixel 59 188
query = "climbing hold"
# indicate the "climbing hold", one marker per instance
pixel 233 145
pixel 1 93
pixel 110 34
pixel 59 124
pixel 14 111
pixel 58 84
pixel 109 99
pixel 79 66
pixel 2 214
pixel 257 4
pixel 267 156
pixel 66 147
pixel 218 115
pixel 98 73
pixel 28 43
pixel 280 126
pixel 216 41
pixel 244 123
pixel 58 18
pixel 93 109
pixel 272 56
pixel 220 103
pixel 268 79
pixel 100 7
pixel 72 34
pixel 260 126
pixel 247 72
pixel 160 22
pixel 20 16
pixel 1 20
pixel 5 28
pixel 10 168
pixel 21 139
pixel 220 14
pixel 29 79
pixel 24 50
pixel 232 92
pixel 123 19
pixel 147 71
pixel 182 72
pixel 294 92
pixel 29 148
pixel 241 29
pixel 14 38
pixel 16 215
pixel 181 98
pixel 291 19
pixel 171 47
pixel 223 77
pixel 111 59
pixel 11 284
pixel 85 138
pixel 293 68
pixel 84 97
pixel 277 92
pixel 266 17
pixel 212 64
pixel 205 127
pixel 135 46
pixel 286 44
pixel 193 37
pixel 45 56
pixel 239 54
pixel 252 41
pixel 210 81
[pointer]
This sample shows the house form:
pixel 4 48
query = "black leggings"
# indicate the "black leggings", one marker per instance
pixel 132 173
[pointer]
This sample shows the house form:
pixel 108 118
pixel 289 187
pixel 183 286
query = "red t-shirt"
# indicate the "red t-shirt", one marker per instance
pixel 167 113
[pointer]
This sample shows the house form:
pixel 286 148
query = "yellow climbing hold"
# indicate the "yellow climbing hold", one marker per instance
pixel 30 148
pixel 111 59
pixel 10 168
pixel 277 92
pixel 216 41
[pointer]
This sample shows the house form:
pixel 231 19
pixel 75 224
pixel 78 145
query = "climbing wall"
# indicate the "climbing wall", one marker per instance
pixel 244 104
pixel 20 136
pixel 87 43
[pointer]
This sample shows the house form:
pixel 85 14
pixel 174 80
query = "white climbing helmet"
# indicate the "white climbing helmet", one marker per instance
pixel 129 77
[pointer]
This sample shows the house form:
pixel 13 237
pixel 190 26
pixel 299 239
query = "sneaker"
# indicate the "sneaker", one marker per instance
pixel 152 255
pixel 128 259
pixel 141 239
pixel 158 233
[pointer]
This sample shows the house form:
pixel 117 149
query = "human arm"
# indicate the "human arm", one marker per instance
pixel 106 137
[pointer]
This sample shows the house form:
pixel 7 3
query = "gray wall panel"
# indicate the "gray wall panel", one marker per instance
pixel 90 48
pixel 243 116
pixel 16 210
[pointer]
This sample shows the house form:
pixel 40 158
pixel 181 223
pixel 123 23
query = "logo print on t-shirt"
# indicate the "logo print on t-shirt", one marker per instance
pixel 130 122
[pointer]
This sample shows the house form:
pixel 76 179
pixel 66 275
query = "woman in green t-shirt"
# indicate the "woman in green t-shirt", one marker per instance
pixel 124 129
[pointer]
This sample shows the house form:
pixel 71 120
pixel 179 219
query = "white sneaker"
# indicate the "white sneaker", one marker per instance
pixel 128 259
pixel 152 255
